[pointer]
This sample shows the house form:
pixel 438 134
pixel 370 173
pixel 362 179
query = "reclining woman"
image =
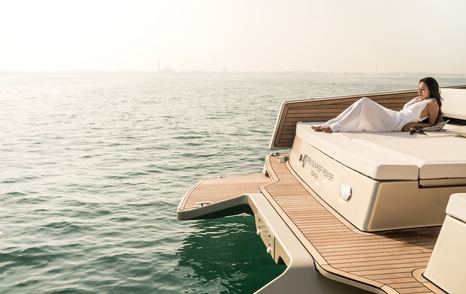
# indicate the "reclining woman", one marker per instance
pixel 366 115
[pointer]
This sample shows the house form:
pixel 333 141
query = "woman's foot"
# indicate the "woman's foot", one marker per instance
pixel 322 129
pixel 317 128
pixel 326 130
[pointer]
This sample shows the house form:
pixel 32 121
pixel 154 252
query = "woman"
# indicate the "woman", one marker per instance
pixel 367 115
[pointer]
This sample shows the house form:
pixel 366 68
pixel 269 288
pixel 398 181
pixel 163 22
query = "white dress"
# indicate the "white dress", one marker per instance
pixel 367 115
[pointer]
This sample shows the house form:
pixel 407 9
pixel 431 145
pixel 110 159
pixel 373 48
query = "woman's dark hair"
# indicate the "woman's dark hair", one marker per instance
pixel 434 90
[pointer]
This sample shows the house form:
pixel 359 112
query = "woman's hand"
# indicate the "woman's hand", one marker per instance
pixel 414 126
pixel 409 126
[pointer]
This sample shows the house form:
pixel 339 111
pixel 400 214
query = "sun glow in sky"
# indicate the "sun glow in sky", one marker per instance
pixel 238 35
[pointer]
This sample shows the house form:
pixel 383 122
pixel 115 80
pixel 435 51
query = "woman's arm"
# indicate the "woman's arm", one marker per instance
pixel 415 125
pixel 432 114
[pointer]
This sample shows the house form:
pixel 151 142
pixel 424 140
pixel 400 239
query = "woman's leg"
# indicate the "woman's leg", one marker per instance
pixel 348 118
pixel 362 115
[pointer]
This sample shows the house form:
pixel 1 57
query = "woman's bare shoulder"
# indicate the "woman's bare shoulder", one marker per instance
pixel 433 103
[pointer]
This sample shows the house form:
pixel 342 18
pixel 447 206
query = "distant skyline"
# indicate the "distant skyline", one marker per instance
pixel 224 35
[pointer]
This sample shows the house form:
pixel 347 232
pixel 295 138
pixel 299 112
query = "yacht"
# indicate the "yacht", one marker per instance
pixel 383 211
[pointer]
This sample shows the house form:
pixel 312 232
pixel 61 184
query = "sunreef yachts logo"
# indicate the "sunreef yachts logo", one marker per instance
pixel 316 168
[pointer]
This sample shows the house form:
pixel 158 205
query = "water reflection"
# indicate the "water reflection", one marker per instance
pixel 226 256
pixel 232 241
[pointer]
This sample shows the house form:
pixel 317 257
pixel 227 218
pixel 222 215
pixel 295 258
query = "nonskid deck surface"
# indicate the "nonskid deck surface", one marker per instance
pixel 391 261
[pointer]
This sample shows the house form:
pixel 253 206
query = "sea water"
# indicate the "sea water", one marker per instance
pixel 93 166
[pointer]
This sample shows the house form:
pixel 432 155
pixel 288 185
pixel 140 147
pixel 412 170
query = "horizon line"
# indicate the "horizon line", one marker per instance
pixel 225 72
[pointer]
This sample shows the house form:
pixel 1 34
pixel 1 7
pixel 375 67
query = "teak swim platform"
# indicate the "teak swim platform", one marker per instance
pixel 305 224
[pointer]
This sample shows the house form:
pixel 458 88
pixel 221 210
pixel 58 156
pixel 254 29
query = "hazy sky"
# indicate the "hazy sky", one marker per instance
pixel 239 35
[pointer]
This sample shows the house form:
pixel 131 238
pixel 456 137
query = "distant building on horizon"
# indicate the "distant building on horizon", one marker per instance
pixel 166 69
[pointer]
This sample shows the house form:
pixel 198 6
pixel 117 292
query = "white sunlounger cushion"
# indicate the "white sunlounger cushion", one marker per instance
pixel 437 157
pixel 460 131
pixel 457 206
pixel 393 155
pixel 364 159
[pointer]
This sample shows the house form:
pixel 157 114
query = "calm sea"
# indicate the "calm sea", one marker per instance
pixel 93 166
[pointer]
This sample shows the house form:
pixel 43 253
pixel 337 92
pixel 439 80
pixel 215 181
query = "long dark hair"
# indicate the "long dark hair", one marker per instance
pixel 434 90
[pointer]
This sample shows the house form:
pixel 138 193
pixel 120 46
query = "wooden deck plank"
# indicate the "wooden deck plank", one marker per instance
pixel 414 290
pixel 337 239
pixel 374 257
pixel 360 267
pixel 396 261
pixel 380 258
pixel 372 252
pixel 384 260
pixel 405 285
pixel 406 270
pixel 364 242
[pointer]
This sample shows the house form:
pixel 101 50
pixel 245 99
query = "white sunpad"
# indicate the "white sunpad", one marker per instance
pixel 393 155
pixel 457 206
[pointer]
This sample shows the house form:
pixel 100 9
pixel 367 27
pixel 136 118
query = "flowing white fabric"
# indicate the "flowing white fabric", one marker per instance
pixel 369 116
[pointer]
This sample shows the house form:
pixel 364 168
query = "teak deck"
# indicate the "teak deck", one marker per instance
pixel 392 261
pixel 224 188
